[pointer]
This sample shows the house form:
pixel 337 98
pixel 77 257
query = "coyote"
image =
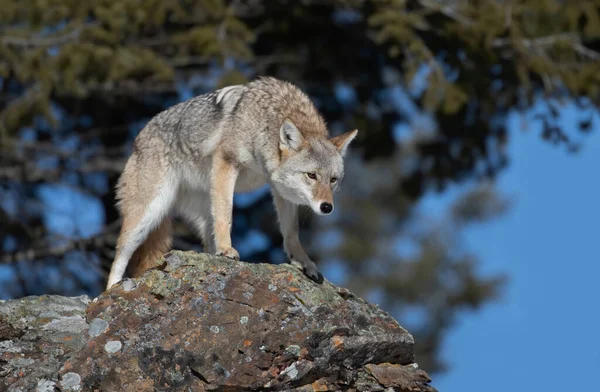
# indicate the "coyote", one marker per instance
pixel 192 157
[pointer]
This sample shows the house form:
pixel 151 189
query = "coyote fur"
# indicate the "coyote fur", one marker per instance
pixel 192 157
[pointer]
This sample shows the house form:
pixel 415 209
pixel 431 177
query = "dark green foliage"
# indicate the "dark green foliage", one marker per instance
pixel 96 71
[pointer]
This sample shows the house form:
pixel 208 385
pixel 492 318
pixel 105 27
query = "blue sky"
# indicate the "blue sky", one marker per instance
pixel 544 333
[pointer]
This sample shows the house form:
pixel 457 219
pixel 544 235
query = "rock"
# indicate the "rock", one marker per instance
pixel 402 377
pixel 45 331
pixel 97 327
pixel 206 323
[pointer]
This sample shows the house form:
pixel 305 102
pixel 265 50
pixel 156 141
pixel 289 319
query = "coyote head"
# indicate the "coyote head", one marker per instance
pixel 311 168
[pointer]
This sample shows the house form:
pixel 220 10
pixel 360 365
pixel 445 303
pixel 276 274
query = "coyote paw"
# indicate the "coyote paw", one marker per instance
pixel 229 253
pixel 310 270
pixel 313 274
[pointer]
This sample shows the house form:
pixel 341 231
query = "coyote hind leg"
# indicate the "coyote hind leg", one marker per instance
pixel 142 223
pixel 157 244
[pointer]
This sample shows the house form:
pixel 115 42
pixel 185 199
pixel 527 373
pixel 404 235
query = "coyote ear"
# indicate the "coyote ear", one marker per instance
pixel 341 142
pixel 290 136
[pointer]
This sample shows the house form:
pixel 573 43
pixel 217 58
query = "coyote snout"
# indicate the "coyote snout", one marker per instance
pixel 323 199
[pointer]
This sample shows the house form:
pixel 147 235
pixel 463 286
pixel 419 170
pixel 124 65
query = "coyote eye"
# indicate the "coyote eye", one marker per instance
pixel 312 176
pixel 333 180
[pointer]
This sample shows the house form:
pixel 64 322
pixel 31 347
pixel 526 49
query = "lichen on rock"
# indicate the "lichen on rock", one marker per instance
pixel 204 323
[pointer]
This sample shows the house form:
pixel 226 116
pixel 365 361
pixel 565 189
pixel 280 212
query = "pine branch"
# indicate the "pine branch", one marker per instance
pixel 30 42
pixel 448 11
pixel 542 42
pixel 25 171
pixel 103 240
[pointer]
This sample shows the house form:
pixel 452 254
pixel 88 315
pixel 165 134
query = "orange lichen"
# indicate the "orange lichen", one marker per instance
pixel 338 341
pixel 319 386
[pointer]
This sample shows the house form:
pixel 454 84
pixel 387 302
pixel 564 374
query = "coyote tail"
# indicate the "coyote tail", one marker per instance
pixel 151 250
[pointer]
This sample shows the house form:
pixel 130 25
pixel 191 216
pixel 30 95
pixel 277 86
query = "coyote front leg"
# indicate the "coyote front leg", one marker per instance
pixel 288 220
pixel 223 178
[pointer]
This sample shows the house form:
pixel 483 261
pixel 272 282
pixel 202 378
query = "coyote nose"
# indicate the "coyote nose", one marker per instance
pixel 326 208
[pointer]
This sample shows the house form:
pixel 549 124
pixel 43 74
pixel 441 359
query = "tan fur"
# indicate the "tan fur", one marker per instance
pixel 341 141
pixel 323 192
pixel 151 250
pixel 224 175
pixel 135 191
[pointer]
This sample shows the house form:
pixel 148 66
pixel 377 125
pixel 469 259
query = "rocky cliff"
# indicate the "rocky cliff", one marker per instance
pixel 204 323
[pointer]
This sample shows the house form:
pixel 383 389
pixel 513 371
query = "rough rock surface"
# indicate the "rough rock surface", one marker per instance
pixel 205 323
